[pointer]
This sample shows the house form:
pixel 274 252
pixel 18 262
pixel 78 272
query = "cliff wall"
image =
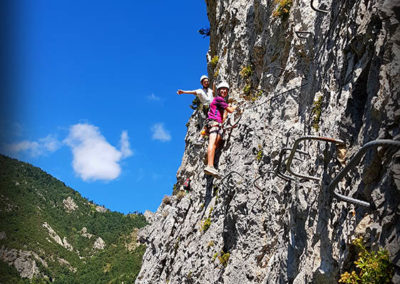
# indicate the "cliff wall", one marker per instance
pixel 338 78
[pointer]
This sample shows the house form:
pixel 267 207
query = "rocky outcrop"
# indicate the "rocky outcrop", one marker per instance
pixel 67 264
pixel 99 244
pixel 101 209
pixel 338 79
pixel 62 242
pixel 149 216
pixel 69 204
pixel 84 233
pixel 23 261
pixel 131 242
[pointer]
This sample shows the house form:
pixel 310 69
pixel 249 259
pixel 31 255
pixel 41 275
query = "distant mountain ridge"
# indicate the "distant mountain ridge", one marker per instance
pixel 50 233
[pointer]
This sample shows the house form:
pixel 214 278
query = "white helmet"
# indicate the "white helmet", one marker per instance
pixel 223 85
pixel 202 78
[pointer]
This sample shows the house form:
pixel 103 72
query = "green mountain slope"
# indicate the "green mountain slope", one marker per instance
pixel 50 233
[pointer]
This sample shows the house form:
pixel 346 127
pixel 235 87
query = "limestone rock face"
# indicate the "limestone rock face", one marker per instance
pixel 69 204
pixel 149 216
pixel 62 242
pixel 84 233
pixel 338 79
pixel 99 244
pixel 23 261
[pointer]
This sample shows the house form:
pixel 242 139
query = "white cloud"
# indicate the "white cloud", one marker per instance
pixel 153 97
pixel 41 147
pixel 159 133
pixel 93 157
pixel 50 143
pixel 125 145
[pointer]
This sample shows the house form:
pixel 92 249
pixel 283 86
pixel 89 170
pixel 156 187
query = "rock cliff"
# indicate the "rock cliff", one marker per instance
pixel 332 71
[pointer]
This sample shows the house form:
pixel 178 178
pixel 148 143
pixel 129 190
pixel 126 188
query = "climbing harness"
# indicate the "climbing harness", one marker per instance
pixel 353 162
pixel 214 127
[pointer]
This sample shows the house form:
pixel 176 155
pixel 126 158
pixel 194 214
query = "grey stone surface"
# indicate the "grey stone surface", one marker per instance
pixel 99 244
pixel 69 204
pixel 23 261
pixel 288 231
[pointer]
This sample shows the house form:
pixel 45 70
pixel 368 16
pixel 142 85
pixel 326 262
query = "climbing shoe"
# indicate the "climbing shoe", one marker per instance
pixel 211 171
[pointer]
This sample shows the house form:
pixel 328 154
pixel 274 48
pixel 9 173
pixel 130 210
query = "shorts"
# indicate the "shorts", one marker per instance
pixel 215 127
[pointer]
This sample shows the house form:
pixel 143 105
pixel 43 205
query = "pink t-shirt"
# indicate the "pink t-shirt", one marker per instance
pixel 217 108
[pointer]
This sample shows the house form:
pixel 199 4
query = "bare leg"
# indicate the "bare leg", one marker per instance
pixel 211 149
pixel 217 142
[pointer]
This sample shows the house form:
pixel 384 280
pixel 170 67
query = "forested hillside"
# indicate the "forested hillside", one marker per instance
pixel 50 233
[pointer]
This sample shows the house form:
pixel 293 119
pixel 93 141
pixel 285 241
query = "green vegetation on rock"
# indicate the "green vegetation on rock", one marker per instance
pixel 316 111
pixel 372 266
pixel 283 9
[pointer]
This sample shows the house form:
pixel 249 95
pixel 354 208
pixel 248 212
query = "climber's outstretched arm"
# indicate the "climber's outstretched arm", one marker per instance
pixel 180 92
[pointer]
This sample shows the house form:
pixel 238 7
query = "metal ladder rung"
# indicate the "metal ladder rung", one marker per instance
pixel 317 9
pixel 281 154
pixel 294 150
pixel 301 34
pixel 353 162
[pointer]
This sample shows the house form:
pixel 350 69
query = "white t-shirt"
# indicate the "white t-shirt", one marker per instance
pixel 205 96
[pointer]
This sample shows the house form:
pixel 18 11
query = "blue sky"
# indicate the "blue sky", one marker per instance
pixel 91 95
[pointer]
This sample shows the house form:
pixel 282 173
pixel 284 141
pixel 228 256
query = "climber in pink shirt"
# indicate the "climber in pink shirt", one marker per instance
pixel 215 117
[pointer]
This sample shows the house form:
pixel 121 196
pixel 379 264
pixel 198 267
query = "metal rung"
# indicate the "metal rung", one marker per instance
pixel 255 185
pixel 281 154
pixel 317 9
pixel 255 181
pixel 294 149
pixel 353 162
pixel 301 34
pixel 229 175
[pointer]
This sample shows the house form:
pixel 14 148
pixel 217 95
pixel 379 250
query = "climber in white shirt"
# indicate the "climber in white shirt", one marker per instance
pixel 205 94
